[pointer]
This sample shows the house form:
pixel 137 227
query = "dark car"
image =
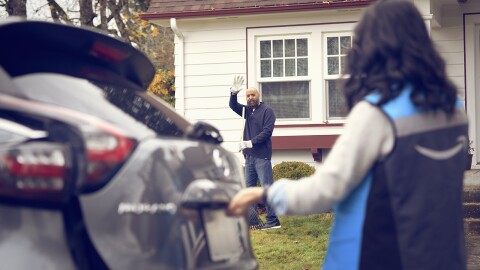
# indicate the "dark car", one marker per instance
pixel 98 173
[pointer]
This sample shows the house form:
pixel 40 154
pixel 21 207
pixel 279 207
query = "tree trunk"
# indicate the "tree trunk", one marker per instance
pixel 86 12
pixel 16 8
pixel 103 16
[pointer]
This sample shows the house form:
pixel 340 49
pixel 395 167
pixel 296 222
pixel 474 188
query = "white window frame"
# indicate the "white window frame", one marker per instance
pixel 307 78
pixel 328 77
pixel 315 33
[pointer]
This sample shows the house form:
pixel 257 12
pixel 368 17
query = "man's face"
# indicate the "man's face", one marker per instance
pixel 253 98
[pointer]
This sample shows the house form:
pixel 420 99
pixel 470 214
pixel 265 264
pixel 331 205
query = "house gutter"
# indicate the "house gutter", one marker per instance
pixel 179 68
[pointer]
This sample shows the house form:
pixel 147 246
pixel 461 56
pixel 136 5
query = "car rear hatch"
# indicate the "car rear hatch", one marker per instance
pixel 165 208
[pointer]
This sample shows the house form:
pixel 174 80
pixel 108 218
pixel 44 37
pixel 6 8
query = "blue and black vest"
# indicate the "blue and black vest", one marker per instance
pixel 407 213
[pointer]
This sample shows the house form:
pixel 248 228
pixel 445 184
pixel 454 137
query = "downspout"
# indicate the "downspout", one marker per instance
pixel 179 68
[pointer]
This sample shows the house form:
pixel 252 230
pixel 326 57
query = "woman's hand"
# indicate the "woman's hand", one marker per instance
pixel 238 206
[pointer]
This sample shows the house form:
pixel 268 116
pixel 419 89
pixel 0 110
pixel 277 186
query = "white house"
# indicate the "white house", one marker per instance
pixel 292 51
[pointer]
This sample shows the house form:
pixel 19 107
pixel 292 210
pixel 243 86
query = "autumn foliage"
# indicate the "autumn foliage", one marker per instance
pixel 163 85
pixel 119 18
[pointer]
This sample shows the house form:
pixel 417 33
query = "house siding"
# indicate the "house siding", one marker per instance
pixel 211 58
pixel 449 43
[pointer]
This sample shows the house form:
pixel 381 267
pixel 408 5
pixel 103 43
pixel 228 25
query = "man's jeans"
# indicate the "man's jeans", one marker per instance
pixel 258 168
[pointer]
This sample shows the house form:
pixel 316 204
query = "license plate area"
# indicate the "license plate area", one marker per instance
pixel 223 234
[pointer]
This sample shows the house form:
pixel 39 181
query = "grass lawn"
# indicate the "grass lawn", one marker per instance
pixel 300 244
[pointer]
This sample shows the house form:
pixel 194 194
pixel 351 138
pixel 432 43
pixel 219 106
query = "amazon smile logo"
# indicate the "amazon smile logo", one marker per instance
pixel 443 154
pixel 146 208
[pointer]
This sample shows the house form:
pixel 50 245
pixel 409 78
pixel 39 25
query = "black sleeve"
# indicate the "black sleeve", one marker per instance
pixel 234 105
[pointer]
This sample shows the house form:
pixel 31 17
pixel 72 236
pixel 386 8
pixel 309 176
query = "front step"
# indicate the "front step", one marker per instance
pixel 471 202
pixel 471 194
pixel 471 206
pixel 471 210
pixel 472 226
pixel 473 252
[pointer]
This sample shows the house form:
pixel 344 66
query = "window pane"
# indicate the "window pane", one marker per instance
pixel 289 47
pixel 278 68
pixel 343 60
pixel 266 68
pixel 265 49
pixel 278 48
pixel 289 67
pixel 332 45
pixel 302 47
pixel 333 65
pixel 302 67
pixel 287 99
pixel 345 44
pixel 336 100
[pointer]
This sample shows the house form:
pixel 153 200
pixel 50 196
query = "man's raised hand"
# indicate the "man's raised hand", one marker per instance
pixel 237 85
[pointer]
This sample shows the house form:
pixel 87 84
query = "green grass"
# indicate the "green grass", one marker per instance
pixel 300 244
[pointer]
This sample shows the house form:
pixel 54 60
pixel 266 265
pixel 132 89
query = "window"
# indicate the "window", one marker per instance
pixel 283 58
pixel 283 78
pixel 336 46
pixel 298 70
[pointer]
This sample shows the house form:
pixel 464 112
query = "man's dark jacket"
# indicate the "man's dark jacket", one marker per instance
pixel 259 124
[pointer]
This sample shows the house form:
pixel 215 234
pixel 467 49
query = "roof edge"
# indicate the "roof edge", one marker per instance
pixel 257 10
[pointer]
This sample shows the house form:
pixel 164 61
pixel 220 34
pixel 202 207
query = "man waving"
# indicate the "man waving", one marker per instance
pixel 257 141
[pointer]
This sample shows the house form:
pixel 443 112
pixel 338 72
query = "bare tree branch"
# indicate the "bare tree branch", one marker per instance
pixel 58 14
pixel 115 10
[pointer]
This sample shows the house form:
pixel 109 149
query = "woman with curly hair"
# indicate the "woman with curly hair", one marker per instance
pixel 394 178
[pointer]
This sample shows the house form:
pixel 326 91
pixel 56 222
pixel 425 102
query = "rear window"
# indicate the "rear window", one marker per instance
pixel 118 104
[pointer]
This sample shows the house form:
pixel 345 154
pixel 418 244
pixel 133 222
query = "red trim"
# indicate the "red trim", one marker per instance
pixel 255 10
pixel 309 125
pixel 303 142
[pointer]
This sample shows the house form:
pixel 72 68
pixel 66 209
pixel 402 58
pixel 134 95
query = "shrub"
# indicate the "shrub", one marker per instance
pixel 292 170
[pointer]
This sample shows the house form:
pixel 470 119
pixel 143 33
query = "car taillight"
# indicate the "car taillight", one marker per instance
pixel 106 149
pixel 35 170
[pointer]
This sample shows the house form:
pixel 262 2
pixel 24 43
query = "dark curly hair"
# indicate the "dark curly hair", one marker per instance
pixel 391 48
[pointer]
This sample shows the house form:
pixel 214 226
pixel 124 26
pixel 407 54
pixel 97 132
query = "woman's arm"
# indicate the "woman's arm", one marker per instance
pixel 368 136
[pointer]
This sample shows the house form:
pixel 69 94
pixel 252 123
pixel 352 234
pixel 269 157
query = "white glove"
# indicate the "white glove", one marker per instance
pixel 237 84
pixel 245 144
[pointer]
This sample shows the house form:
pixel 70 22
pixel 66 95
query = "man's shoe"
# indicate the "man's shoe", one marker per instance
pixel 256 227
pixel 274 225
